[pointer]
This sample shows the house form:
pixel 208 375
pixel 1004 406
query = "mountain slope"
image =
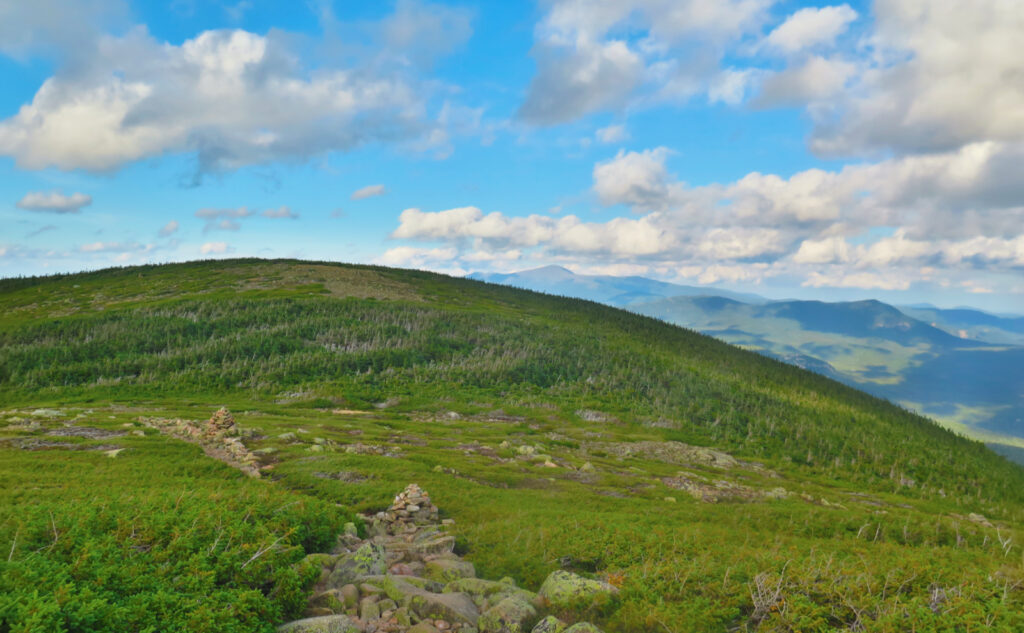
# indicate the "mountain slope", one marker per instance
pixel 722 490
pixel 972 324
pixel 975 386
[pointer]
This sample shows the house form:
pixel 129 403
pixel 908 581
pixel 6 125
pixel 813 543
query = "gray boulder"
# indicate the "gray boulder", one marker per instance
pixel 368 560
pixel 565 590
pixel 323 624
pixel 508 616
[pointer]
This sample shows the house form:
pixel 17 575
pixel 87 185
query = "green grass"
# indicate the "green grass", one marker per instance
pixel 850 547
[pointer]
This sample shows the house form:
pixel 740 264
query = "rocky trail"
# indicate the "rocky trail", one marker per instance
pixel 405 576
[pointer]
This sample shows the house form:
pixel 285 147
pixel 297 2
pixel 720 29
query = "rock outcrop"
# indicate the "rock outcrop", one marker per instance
pixel 405 577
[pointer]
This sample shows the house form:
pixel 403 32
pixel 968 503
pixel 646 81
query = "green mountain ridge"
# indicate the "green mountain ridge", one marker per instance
pixel 556 432
pixel 971 385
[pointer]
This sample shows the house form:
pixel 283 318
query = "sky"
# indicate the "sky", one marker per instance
pixel 792 149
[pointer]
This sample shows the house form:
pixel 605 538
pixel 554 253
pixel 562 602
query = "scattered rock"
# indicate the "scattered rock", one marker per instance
pixel 404 577
pixel 368 560
pixel 979 519
pixel 323 624
pixel 713 491
pixel 218 438
pixel 565 590
pixel 588 415
pixel 550 624
pixel 86 432
pixel 508 616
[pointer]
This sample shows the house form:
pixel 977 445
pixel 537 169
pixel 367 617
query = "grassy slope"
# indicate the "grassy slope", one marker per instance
pixel 283 340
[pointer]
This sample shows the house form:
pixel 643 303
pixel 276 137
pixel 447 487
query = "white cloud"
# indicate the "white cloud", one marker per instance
pixel 229 97
pixel 368 192
pixel 282 212
pixel 54 202
pixel 864 280
pixel 637 179
pixel 810 27
pixel 419 32
pixel 439 259
pixel 823 251
pixel 612 134
pixel 114 247
pixel 941 75
pixel 55 26
pixel 223 219
pixel 817 78
pixel 169 229
pixel 585 64
pixel 730 86
pixel 740 243
pixel 215 248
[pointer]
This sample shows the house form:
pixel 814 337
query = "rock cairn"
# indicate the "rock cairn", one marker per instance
pixel 221 422
pixel 405 577
pixel 219 438
pixel 410 509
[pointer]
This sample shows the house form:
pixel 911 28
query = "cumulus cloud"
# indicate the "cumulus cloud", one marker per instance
pixel 215 248
pixel 283 212
pixel 228 97
pixel 612 134
pixel 55 26
pixel 586 62
pixel 54 202
pixel 637 179
pixel 223 219
pixel 368 192
pixel 940 75
pixel 811 27
pixel 864 280
pixel 820 227
pixel 169 229
pixel 815 79
pixel 120 248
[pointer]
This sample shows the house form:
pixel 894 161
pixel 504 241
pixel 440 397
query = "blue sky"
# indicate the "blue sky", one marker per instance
pixel 812 150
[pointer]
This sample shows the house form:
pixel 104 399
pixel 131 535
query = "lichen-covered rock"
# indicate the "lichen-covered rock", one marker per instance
pixel 563 590
pixel 331 599
pixel 423 627
pixel 550 624
pixel 508 616
pixel 448 569
pixel 349 595
pixel 368 560
pixel 451 607
pixel 583 627
pixel 323 624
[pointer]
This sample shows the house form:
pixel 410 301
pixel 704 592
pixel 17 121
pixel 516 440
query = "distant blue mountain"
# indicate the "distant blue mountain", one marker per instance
pixel 972 324
pixel 962 366
pixel 616 291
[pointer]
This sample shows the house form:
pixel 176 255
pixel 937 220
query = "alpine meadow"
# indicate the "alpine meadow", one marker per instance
pixel 712 488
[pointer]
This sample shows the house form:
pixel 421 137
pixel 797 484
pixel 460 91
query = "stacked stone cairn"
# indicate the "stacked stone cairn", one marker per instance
pixel 411 509
pixel 219 437
pixel 404 577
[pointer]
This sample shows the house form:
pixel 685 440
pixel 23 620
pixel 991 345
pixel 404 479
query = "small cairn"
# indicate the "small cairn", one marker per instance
pixel 411 508
pixel 219 437
pixel 221 423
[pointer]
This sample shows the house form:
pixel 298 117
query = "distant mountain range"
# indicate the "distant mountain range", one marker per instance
pixel 616 291
pixel 961 366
